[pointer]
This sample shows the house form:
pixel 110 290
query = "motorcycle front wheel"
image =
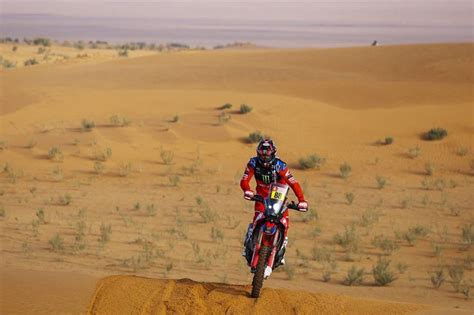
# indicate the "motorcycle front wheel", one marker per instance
pixel 257 282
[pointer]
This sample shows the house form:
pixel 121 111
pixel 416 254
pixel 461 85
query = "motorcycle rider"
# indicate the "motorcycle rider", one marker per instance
pixel 268 168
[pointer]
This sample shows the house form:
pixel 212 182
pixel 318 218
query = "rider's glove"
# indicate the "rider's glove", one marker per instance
pixel 303 206
pixel 248 195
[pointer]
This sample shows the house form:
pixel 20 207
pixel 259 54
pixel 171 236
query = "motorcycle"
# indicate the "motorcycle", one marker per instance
pixel 266 245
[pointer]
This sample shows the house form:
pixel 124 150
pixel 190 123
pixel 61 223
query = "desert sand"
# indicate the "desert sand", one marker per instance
pixel 159 196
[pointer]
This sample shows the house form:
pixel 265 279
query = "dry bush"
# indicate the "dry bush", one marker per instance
pixel 385 244
pixel 382 274
pixel 223 118
pixel 354 276
pixel 381 182
pixel 438 277
pixel 167 157
pixel 125 168
pixel 370 217
pixel 245 109
pixel 350 241
pixel 174 180
pixel 55 154
pixel 349 197
pixel 414 152
pixel 105 232
pixel 456 273
pixel 255 137
pixel 57 243
pixel 345 170
pixel 87 125
pixel 429 168
pixel 311 161
pixel 119 121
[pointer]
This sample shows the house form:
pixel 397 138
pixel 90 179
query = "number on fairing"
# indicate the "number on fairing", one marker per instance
pixel 277 195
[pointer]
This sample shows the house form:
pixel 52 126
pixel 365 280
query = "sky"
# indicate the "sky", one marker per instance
pixel 383 12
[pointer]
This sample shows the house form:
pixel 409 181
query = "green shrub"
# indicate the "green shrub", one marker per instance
pixel 167 157
pixel 467 234
pixel 438 277
pixel 429 168
pixel 414 152
pixel 385 244
pixel 57 243
pixel 105 232
pixel 174 180
pixel 245 109
pixel 381 181
pixel 386 141
pixel 119 121
pixel 87 125
pixel 42 41
pixel 30 62
pixel 345 170
pixel 354 276
pixel 349 240
pixel 311 161
pixel 255 137
pixel 382 274
pixel 370 217
pixel 436 134
pixel 456 273
pixel 349 197
pixel 123 53
pixel 223 118
pixel 175 119
pixel 55 154
pixel 226 106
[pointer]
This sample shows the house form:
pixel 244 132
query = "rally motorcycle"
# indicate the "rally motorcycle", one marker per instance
pixel 266 243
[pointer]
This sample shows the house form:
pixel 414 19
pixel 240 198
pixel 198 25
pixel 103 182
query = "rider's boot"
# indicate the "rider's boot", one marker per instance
pixel 248 235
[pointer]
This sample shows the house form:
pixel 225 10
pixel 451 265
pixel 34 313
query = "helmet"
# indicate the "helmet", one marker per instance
pixel 266 152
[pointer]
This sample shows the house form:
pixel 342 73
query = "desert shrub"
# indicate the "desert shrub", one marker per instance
pixel 387 141
pixel 125 168
pixel 175 119
pixel 103 154
pixel 245 109
pixel 7 64
pixel 436 134
pixel 223 118
pixel 167 157
pixel 349 197
pixel 41 50
pixel 217 234
pixel 64 200
pixel 438 277
pixel 456 273
pixel 207 215
pixel 57 174
pixel 40 216
pixel 311 161
pixel 55 154
pixel 322 254
pixel 462 151
pixel 225 106
pixel 345 170
pixel 255 137
pixel 429 168
pixel 414 152
pixel 381 182
pixel 2 212
pixel 370 217
pixel 105 232
pixel 349 240
pixel 30 62
pixel 123 53
pixel 174 180
pixel 402 267
pixel 14 48
pixel 151 210
pixel 119 121
pixel 42 41
pixel 413 234
pixel 385 244
pixel 4 145
pixel 437 249
pixel 87 125
pixel 382 274
pixel 57 243
pixel 99 167
pixel 467 234
pixel 354 276
pixel 471 165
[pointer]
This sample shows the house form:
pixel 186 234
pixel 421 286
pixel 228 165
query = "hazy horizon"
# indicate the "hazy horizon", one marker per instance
pixel 269 23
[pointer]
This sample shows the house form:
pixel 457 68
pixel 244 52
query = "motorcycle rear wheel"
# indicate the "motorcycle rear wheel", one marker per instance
pixel 257 282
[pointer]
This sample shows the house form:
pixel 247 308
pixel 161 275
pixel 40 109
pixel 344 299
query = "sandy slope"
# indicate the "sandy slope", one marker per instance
pixel 137 295
pixel 334 102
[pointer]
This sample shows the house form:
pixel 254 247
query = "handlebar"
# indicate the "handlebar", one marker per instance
pixel 291 205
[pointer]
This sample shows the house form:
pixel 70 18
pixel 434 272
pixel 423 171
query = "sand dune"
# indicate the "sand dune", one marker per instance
pixel 333 102
pixel 137 295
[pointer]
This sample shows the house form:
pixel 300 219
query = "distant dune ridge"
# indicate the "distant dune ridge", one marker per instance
pixel 117 153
